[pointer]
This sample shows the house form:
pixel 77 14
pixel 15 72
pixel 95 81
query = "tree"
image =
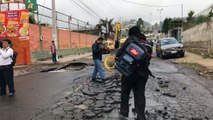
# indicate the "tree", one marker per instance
pixel 176 23
pixel 104 23
pixel 201 19
pixel 190 17
pixel 166 25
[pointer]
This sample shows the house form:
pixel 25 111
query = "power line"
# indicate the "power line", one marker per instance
pixel 83 8
pixel 42 12
pixel 115 9
pixel 94 5
pixel 149 4
pixel 90 9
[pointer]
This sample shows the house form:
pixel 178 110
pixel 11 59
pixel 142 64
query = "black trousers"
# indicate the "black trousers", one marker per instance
pixel 6 78
pixel 54 57
pixel 137 84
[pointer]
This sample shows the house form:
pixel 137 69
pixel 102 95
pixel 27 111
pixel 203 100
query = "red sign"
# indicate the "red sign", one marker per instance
pixel 12 1
pixel 14 23
pixel 134 52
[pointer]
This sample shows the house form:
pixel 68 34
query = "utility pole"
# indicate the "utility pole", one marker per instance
pixel 150 19
pixel 160 10
pixel 181 28
pixel 54 35
pixel 182 11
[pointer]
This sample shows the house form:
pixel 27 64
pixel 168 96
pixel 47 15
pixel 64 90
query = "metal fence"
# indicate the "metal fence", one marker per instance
pixel 64 21
pixel 43 17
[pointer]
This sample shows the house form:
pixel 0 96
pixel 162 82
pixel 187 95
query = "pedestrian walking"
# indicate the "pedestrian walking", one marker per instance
pixel 97 58
pixel 6 69
pixel 136 81
pixel 53 51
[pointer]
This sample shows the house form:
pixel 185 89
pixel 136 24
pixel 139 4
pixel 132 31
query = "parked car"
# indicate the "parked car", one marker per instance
pixel 169 47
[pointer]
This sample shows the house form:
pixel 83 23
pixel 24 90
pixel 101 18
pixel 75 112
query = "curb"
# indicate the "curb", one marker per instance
pixel 26 69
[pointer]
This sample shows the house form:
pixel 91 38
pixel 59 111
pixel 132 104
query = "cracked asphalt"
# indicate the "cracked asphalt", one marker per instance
pixel 177 93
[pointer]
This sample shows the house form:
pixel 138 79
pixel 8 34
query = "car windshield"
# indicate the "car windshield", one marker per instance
pixel 168 42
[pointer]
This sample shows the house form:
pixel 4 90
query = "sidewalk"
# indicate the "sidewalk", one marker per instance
pixel 197 59
pixel 24 69
pixel 66 59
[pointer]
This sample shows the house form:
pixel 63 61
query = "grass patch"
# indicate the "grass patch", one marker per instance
pixel 200 51
pixel 201 70
pixel 195 66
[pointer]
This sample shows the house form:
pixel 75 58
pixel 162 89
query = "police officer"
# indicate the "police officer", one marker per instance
pixel 6 69
pixel 136 81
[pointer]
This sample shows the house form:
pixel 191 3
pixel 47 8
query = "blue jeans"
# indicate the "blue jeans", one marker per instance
pixel 98 69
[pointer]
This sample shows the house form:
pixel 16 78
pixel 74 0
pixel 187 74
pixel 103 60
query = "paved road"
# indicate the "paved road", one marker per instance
pixel 178 93
pixel 35 93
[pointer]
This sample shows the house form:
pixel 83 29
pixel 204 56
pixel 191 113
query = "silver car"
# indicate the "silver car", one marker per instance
pixel 169 47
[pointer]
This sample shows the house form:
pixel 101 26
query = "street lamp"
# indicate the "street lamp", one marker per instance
pixel 160 10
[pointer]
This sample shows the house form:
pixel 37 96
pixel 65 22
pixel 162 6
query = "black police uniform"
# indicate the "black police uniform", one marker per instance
pixel 135 82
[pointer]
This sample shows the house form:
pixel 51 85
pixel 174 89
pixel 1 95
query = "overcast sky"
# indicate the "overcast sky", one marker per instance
pixel 124 10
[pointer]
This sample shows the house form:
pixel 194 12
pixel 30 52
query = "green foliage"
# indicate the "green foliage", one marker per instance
pixel 193 21
pixel 210 13
pixel 190 16
pixel 166 25
pixel 169 24
pixel 201 19
pixel 104 23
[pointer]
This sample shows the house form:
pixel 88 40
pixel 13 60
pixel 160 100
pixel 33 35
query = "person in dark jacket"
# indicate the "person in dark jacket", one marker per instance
pixel 137 80
pixel 97 57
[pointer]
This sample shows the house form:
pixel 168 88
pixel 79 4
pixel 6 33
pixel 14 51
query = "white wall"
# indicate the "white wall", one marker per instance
pixel 200 36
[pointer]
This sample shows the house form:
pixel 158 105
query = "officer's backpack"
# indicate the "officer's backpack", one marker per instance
pixel 13 58
pixel 134 53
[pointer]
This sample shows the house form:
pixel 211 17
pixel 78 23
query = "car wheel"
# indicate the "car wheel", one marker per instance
pixel 182 55
pixel 161 55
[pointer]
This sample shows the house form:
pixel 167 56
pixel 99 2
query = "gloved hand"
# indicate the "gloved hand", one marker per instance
pixel 116 58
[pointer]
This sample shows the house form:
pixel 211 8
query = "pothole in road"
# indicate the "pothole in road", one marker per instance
pixel 77 66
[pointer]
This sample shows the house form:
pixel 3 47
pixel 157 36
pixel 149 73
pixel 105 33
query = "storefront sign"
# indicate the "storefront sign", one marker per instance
pixel 31 5
pixel 12 1
pixel 14 23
